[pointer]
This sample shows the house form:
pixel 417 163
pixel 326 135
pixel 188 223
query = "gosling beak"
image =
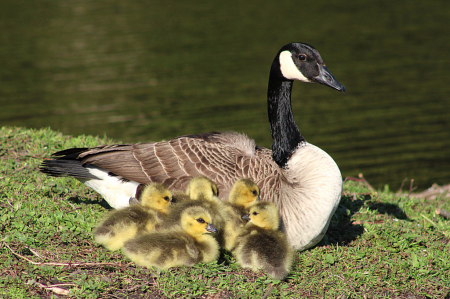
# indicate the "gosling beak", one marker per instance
pixel 246 217
pixel 210 228
pixel 133 200
pixel 326 78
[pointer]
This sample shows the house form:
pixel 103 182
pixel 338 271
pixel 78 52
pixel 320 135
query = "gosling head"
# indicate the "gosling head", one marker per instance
pixel 156 196
pixel 264 215
pixel 202 187
pixel 244 193
pixel 196 221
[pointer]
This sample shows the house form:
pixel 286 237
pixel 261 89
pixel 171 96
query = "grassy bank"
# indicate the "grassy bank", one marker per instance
pixel 379 245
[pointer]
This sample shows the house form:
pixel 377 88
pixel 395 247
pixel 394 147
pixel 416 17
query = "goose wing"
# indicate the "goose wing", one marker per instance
pixel 222 157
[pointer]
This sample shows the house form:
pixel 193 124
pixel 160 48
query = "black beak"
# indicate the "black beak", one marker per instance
pixel 326 78
pixel 210 228
pixel 246 217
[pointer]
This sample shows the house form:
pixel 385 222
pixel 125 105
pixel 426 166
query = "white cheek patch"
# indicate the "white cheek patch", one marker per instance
pixel 288 68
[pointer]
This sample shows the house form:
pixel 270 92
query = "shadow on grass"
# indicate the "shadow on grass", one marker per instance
pixel 389 209
pixel 80 200
pixel 343 231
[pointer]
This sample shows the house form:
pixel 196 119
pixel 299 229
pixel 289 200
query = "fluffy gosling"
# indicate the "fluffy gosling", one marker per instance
pixel 243 195
pixel 202 192
pixel 261 246
pixel 121 225
pixel 183 247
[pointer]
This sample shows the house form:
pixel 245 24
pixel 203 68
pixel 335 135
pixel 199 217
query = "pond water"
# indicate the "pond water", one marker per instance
pixel 152 70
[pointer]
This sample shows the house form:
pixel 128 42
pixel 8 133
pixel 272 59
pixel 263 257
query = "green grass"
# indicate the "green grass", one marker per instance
pixel 379 245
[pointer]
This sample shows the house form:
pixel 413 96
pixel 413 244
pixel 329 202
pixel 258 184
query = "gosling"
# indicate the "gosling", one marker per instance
pixel 202 192
pixel 261 246
pixel 242 196
pixel 186 246
pixel 121 225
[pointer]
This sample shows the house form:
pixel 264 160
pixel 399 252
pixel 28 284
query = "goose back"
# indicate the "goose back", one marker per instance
pixel 223 157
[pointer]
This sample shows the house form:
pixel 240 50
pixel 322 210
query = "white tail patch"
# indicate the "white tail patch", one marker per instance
pixel 289 69
pixel 113 189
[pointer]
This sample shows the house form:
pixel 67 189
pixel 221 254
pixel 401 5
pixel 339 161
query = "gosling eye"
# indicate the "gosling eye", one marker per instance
pixel 200 220
pixel 302 57
pixel 255 213
pixel 166 198
pixel 254 192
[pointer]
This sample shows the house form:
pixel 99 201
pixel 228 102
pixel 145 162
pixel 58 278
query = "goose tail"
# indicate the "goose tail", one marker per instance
pixel 65 164
pixel 62 168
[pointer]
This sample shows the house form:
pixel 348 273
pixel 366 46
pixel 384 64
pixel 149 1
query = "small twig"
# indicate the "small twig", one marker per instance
pixel 401 186
pixel 55 289
pixel 433 192
pixel 361 180
pixel 411 189
pixel 365 182
pixel 74 208
pixel 349 178
pixel 367 222
pixel 62 264
pixel 442 212
pixel 35 252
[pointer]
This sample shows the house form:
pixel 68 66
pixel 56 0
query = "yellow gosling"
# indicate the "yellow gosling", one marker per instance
pixel 202 192
pixel 186 246
pixel 261 246
pixel 243 195
pixel 121 225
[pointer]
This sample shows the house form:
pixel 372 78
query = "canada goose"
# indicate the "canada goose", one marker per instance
pixel 202 192
pixel 243 194
pixel 184 247
pixel 261 246
pixel 302 180
pixel 123 224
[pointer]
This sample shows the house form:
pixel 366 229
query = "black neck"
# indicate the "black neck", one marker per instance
pixel 285 133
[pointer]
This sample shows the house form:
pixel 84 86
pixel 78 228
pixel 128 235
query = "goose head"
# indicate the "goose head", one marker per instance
pixel 244 193
pixel 302 62
pixel 264 215
pixel 202 187
pixel 156 196
pixel 196 221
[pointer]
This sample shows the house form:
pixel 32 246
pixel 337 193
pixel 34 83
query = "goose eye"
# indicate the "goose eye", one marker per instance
pixel 255 213
pixel 200 220
pixel 302 57
pixel 166 198
pixel 254 192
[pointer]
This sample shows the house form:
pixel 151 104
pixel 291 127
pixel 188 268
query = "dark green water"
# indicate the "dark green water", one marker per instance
pixel 152 70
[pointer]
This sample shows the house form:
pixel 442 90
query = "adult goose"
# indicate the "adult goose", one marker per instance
pixel 302 180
